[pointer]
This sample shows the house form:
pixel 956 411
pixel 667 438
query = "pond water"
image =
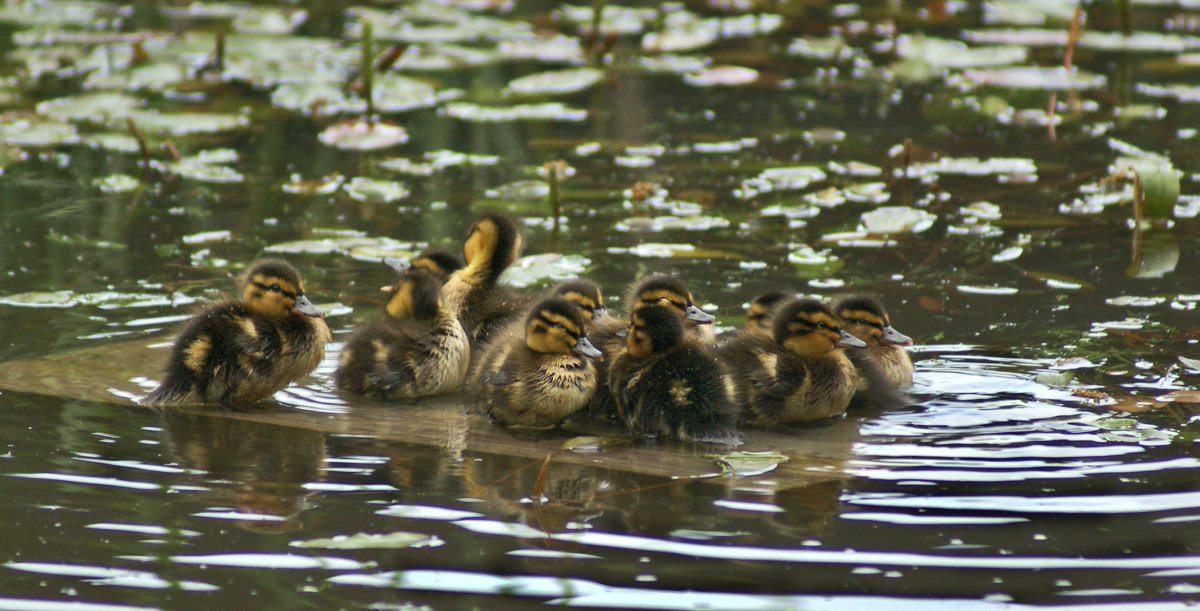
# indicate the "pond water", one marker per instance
pixel 743 147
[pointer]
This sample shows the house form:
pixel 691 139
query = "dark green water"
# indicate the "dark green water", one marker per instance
pixel 999 487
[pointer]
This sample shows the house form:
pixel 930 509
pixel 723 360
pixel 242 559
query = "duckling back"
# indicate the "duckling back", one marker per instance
pixel 418 348
pixel 665 384
pixel 537 373
pixel 237 353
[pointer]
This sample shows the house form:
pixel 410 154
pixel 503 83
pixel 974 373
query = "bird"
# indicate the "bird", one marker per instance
pixel 538 373
pixel 585 294
pixel 864 318
pixel 418 348
pixel 758 315
pixel 441 262
pixel 482 305
pixel 667 384
pixel 236 353
pixel 608 334
pixel 800 373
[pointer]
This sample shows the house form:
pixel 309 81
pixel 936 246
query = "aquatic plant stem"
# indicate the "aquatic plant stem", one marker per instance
pixel 1073 31
pixel 367 70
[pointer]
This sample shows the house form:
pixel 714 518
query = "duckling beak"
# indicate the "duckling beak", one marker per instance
pixel 398 265
pixel 599 313
pixel 849 341
pixel 697 316
pixel 585 347
pixel 892 336
pixel 306 307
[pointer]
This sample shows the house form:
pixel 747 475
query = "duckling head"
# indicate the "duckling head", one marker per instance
pixel 809 328
pixel 660 289
pixel 586 295
pixel 556 325
pixel 273 288
pixel 441 262
pixel 653 328
pixel 415 295
pixel 493 243
pixel 760 310
pixel 865 318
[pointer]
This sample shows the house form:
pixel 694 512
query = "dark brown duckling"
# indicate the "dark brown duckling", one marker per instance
pixel 537 374
pixel 799 374
pixel 485 307
pixel 667 384
pixel 608 333
pixel 418 348
pixel 239 352
pixel 441 262
pixel 864 318
pixel 758 315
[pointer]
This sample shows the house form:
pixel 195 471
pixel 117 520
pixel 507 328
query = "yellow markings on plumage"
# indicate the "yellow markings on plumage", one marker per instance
pixel 197 353
pixel 247 325
pixel 399 303
pixel 482 242
pixel 381 352
pixel 663 297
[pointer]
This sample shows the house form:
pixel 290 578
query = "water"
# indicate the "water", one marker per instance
pixel 1030 470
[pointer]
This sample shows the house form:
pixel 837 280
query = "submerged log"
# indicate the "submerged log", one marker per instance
pixel 121 373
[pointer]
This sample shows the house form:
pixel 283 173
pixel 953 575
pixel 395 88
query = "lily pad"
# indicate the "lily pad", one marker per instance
pixel 373 190
pixel 360 135
pixel 26 131
pixel 665 223
pixel 320 186
pixel 718 76
pixel 956 54
pixel 748 464
pixel 1036 77
pixel 555 82
pixel 183 123
pixel 393 540
pixel 117 183
pixel 548 111
pixel 897 219
pixel 537 269
pixel 94 107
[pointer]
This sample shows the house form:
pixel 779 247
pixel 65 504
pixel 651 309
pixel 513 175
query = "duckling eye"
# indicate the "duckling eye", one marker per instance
pixel 275 288
pixel 822 325
pixel 559 326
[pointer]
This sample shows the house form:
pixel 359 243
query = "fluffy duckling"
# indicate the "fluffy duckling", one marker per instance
pixel 239 352
pixel 864 318
pixel 609 333
pixel 418 348
pixel 441 262
pixel 758 313
pixel 585 294
pixel 800 373
pixel 539 374
pixel 665 383
pixel 493 242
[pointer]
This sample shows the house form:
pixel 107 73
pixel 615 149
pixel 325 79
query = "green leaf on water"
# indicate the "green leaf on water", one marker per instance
pixel 1160 189
pixel 748 464
pixel 394 540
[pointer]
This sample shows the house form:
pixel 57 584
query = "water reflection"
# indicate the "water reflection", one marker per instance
pixel 259 470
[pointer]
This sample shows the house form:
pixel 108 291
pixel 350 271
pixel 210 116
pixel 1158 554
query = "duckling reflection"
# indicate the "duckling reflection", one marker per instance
pixel 257 468
pixel 239 352
pixel 509 486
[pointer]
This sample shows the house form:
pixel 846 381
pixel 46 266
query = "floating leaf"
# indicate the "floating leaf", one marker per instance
pixel 319 186
pixel 897 219
pixel 360 135
pixel 1160 189
pixel 727 76
pixel 1190 363
pixel 183 123
pixel 1157 254
pixel 1059 281
pixel 520 191
pixel 117 183
pixel 956 54
pixel 94 107
pixel 36 132
pixel 555 82
pixel 549 111
pixel 678 40
pixel 1036 77
pixel 393 540
pixel 748 464
pixel 369 189
pixel 664 223
pixel 535 269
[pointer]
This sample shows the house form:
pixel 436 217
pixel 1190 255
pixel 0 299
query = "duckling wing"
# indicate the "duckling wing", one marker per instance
pixel 502 377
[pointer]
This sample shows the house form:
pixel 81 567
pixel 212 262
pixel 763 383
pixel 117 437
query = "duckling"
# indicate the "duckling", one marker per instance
pixel 238 352
pixel 665 383
pixel 418 348
pixel 441 262
pixel 585 294
pixel 609 333
pixel 800 373
pixel 484 308
pixel 537 374
pixel 758 315
pixel 864 318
